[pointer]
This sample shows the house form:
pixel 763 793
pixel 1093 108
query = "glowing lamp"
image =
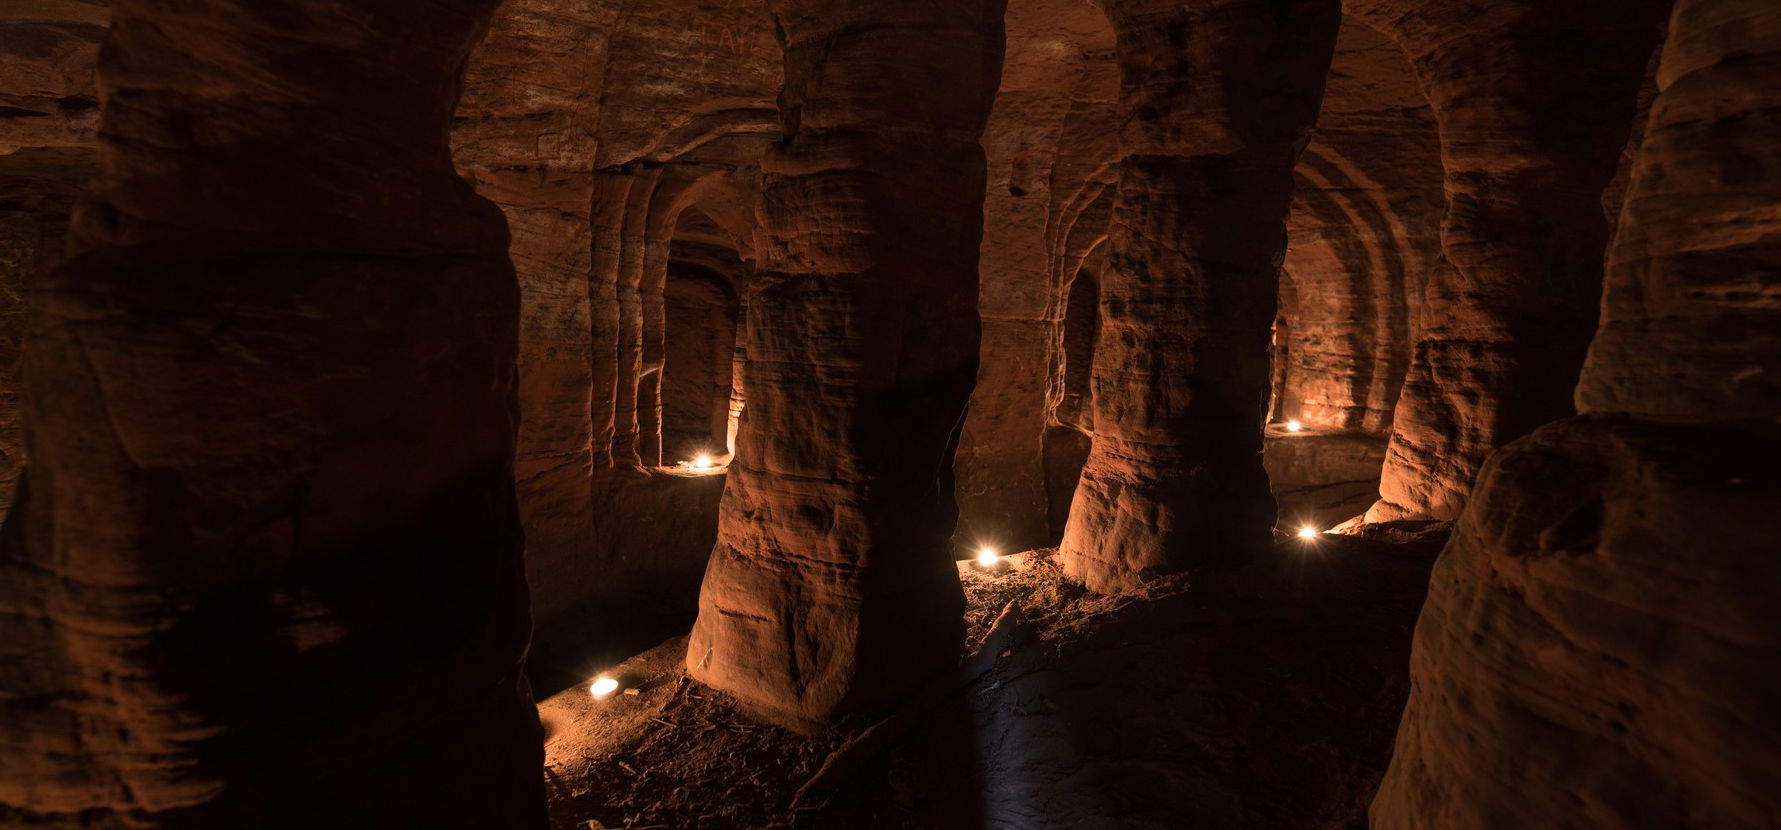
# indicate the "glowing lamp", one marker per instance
pixel 703 461
pixel 1307 532
pixel 1294 426
pixel 987 557
pixel 603 686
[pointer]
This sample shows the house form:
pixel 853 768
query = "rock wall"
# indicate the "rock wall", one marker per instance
pixel 594 125
pixel 535 130
pixel 1601 640
pixel 264 569
pixel 1215 104
pixel 701 316
pixel 1321 479
pixel 48 51
pixel 1363 230
pixel 1137 180
pixel 1059 63
pixel 1362 234
pixel 21 248
pixel 524 137
pixel 33 220
pixel 1534 102
pixel 832 589
pixel 1075 242
pixel 47 57
pixel 638 585
pixel 619 140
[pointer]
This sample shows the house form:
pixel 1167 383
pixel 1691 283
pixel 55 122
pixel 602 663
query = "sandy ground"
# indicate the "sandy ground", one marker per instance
pixel 1259 698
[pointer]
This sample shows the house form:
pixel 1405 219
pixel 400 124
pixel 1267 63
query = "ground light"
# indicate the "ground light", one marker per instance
pixel 603 686
pixel 1307 532
pixel 987 557
pixel 1294 426
pixel 703 462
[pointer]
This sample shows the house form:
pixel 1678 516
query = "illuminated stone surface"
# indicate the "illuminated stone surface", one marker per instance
pixel 1180 376
pixel 832 588
pixel 272 398
pixel 1534 103
pixel 1601 640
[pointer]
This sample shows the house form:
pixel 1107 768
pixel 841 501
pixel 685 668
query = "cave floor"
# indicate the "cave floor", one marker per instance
pixel 1265 697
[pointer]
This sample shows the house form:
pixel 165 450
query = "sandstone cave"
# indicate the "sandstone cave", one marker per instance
pixel 839 414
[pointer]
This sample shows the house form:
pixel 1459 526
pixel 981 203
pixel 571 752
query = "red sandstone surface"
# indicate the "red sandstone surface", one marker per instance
pixel 370 369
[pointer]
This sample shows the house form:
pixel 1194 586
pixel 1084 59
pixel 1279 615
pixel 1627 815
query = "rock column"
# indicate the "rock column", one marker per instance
pixel 1216 100
pixel 1534 103
pixel 1601 639
pixel 831 588
pixel 264 569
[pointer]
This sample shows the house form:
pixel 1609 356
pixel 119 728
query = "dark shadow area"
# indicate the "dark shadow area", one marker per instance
pixel 1066 450
pixel 1261 698
pixel 655 530
pixel 702 312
